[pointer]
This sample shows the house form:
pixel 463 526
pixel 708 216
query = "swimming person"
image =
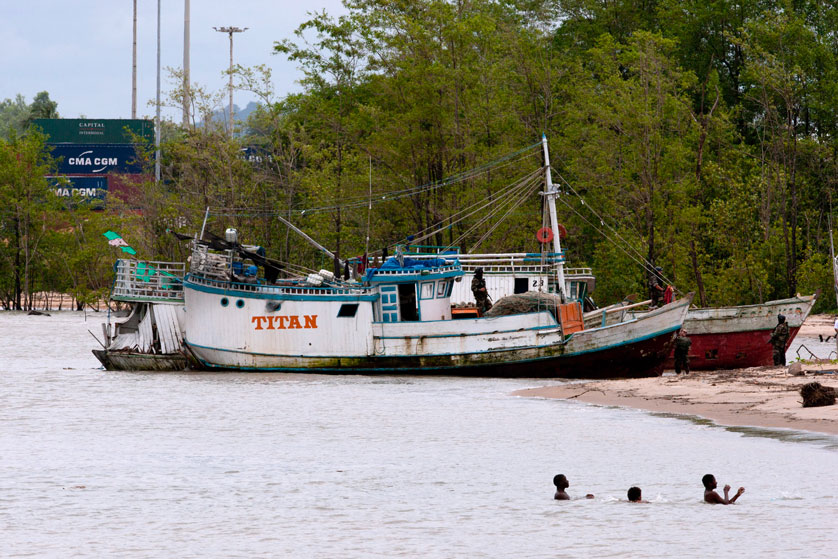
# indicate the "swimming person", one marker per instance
pixel 710 496
pixel 561 483
pixel 634 495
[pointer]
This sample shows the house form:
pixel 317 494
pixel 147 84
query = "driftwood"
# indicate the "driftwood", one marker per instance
pixel 815 395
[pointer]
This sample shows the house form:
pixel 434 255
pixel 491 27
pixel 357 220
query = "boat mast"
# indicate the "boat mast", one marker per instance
pixel 550 194
pixel 314 243
pixel 834 262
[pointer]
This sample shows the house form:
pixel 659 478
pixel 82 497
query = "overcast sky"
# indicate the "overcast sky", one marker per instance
pixel 80 50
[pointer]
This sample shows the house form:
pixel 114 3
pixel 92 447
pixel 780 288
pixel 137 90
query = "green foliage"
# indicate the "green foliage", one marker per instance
pixel 815 274
pixel 695 135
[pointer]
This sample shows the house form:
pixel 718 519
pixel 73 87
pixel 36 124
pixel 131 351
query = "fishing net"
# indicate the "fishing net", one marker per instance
pixel 522 303
pixel 814 395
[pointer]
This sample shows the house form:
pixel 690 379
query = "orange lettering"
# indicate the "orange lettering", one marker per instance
pixel 258 320
pixel 271 322
pixel 282 320
pixel 295 322
pixel 311 320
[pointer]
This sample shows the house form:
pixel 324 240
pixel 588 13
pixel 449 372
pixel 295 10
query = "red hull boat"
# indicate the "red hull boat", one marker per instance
pixel 737 337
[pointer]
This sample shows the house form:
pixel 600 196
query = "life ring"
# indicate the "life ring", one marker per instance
pixel 544 235
pixel 562 231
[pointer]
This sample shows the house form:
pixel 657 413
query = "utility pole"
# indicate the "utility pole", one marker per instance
pixel 187 101
pixel 230 31
pixel 134 68
pixel 157 127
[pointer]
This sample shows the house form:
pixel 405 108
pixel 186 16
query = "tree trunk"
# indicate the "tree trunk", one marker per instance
pixel 697 272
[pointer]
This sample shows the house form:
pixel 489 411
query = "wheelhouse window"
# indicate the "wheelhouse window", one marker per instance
pixel 348 310
pixel 441 288
pixel 427 290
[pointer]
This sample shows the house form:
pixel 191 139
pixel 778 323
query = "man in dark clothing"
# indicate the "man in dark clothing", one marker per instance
pixel 478 287
pixel 656 287
pixel 682 353
pixel 779 339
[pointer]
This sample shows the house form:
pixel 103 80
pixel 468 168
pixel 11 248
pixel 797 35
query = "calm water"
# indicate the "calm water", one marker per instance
pixel 98 464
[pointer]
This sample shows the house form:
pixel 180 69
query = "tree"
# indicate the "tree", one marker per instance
pixel 25 217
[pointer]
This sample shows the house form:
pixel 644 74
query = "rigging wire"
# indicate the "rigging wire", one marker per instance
pixel 521 199
pixel 497 201
pixel 638 257
pixel 438 227
pixel 355 202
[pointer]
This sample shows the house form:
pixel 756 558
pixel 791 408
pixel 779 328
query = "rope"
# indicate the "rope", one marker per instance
pixel 638 257
pixel 508 191
pixel 386 196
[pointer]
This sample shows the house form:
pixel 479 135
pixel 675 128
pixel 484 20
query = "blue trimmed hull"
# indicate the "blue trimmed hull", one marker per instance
pixel 240 329
pixel 633 359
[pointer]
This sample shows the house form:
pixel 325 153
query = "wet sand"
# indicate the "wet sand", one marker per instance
pixel 757 396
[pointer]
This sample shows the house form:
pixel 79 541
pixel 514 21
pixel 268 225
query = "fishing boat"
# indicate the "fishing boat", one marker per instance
pixel 722 337
pixel 397 318
pixel 738 337
pixel 148 335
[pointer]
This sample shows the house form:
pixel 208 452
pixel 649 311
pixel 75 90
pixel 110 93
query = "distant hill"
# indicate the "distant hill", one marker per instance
pixel 240 114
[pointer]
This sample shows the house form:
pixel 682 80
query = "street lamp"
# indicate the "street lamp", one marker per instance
pixel 230 31
pixel 186 98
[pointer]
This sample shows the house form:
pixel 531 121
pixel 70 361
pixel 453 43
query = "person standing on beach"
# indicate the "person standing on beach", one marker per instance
pixel 779 339
pixel 712 497
pixel 481 295
pixel 682 353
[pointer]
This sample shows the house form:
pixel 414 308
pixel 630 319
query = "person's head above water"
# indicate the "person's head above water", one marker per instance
pixel 560 481
pixel 634 494
pixel 709 481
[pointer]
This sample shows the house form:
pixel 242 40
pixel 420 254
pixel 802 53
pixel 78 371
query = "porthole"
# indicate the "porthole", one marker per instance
pixel 240 303
pixel 224 301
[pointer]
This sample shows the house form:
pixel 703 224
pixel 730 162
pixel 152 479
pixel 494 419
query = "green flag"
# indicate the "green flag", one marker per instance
pixel 115 240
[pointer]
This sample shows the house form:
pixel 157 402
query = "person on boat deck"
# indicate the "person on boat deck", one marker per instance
pixel 481 295
pixel 682 353
pixel 561 483
pixel 836 333
pixel 779 339
pixel 635 495
pixel 712 497
pixel 656 288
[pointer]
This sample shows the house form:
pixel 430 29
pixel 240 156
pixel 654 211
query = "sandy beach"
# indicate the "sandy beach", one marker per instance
pixel 757 396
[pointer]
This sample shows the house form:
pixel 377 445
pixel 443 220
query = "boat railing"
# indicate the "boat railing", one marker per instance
pixel 148 280
pixel 513 262
pixel 208 263
pixel 389 272
pixel 279 290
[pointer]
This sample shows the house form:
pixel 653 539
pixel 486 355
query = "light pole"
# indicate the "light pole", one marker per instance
pixel 186 99
pixel 157 128
pixel 134 67
pixel 230 31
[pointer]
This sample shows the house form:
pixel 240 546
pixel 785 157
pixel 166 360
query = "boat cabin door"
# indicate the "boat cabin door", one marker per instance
pixel 407 302
pixel 398 303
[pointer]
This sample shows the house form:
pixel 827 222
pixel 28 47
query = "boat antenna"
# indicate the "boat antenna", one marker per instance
pixel 550 195
pixel 832 257
pixel 369 212
pixel 206 216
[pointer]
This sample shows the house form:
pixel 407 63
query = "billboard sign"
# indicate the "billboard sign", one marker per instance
pixel 96 159
pixel 96 130
pixel 89 189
